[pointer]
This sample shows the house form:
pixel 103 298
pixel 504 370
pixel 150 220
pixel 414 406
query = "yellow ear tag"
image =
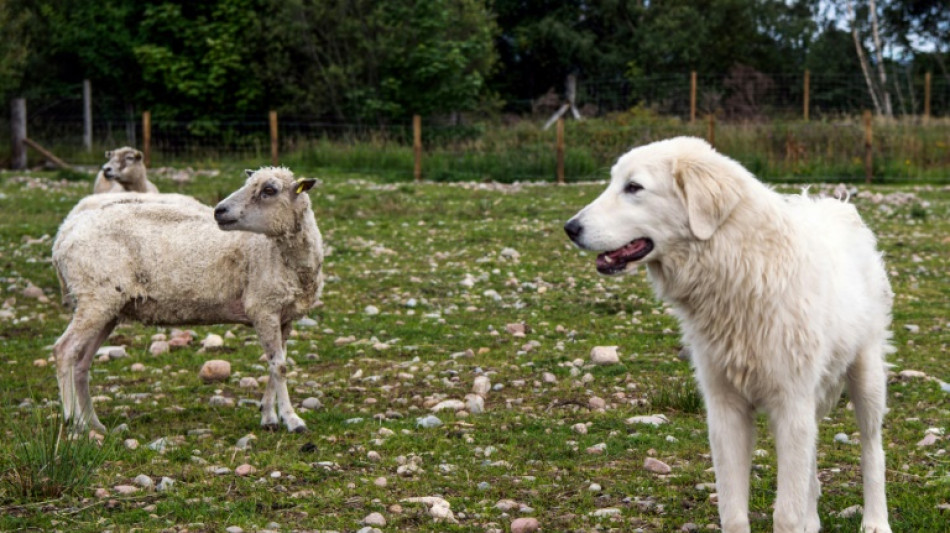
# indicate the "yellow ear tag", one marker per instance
pixel 300 187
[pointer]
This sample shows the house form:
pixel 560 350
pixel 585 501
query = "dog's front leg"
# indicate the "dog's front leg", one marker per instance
pixel 731 437
pixel 795 431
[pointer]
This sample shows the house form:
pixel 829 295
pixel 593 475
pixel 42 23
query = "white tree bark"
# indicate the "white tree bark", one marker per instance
pixel 863 59
pixel 881 73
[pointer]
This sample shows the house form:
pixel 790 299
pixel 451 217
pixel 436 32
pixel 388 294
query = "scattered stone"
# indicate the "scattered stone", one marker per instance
pixel 380 482
pixel 159 347
pixel 656 466
pixel 311 403
pixel 221 401
pixel 848 512
pixel 248 382
pixel 595 487
pixel 371 310
pixel 596 403
pixel 112 352
pixel 212 341
pixel 430 421
pixel 510 253
pixel 843 438
pixel 144 481
pixel 131 444
pixel 524 525
pixel 125 490
pixel 234 529
pixel 605 512
pixel 450 405
pixel 481 385
pixel 439 509
pixel 580 428
pixel 159 445
pixel 374 456
pixel 474 403
pixel 604 355
pixel 306 322
pixel 32 291
pixel 244 470
pixel 245 441
pixel 40 362
pixel 929 440
pixel 215 370
pixel 912 328
pixel 654 420
pixel 374 519
pixel 597 449
pixel 165 484
pixel 912 374
pixel 518 330
pixel 101 493
pixel 137 367
pixel 549 378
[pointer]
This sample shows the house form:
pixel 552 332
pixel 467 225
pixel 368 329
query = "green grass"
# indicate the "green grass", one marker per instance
pixel 392 243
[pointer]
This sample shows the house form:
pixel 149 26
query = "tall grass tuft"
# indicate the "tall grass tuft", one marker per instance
pixel 681 395
pixel 48 461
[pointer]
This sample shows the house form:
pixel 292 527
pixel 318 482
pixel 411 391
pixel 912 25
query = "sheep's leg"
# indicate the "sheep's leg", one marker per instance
pixel 74 352
pixel 273 341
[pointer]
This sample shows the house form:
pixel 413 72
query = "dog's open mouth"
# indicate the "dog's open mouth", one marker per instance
pixel 617 260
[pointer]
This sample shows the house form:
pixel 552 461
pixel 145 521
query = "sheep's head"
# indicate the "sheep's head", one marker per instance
pixel 270 202
pixel 124 165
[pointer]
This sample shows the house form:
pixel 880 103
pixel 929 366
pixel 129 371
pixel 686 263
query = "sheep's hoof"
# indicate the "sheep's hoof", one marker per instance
pixel 300 429
pixel 273 426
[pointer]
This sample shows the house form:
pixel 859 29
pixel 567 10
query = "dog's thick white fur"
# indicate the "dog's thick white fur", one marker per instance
pixel 783 299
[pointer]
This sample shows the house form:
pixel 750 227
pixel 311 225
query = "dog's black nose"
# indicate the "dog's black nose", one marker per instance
pixel 219 212
pixel 573 228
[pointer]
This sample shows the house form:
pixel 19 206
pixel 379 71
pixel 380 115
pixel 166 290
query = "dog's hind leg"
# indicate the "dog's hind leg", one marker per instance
pixel 867 383
pixel 731 437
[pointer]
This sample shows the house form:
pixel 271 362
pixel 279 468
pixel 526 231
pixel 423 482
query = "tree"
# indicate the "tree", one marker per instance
pixel 14 47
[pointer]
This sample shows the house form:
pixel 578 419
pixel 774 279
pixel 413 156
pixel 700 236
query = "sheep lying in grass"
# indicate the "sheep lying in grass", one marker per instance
pixel 170 263
pixel 125 171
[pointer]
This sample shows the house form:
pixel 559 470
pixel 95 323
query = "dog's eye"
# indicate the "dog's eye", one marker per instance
pixel 633 188
pixel 268 191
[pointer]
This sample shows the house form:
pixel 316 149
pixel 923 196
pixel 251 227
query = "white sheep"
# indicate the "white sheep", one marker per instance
pixel 124 171
pixel 170 263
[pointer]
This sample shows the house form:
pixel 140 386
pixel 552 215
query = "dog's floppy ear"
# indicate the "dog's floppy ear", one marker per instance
pixel 710 192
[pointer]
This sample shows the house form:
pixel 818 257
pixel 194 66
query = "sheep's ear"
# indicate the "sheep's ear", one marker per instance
pixel 248 172
pixel 138 155
pixel 108 154
pixel 305 184
pixel 709 191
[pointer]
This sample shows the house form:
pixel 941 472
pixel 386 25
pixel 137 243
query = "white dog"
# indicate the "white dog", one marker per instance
pixel 783 299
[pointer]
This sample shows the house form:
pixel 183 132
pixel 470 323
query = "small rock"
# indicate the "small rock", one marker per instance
pixel 374 519
pixel 656 466
pixel 159 347
pixel 144 481
pixel 306 322
pixel 450 405
pixel 912 328
pixel 481 385
pixel 244 470
pixel 212 341
pixel 165 484
pixel 131 444
pixel 137 367
pixel 245 441
pixel 158 445
pixel 912 374
pixel 380 482
pixel 507 505
pixel 597 449
pixel 604 355
pixel 510 253
pixel 654 420
pixel 580 428
pixel 248 382
pixel 40 362
pixel 32 291
pixel 125 490
pixel 430 421
pixel 371 310
pixel 113 352
pixel 518 330
pixel 549 378
pixel 474 403
pixel 374 456
pixel 215 370
pixel 311 403
pixel 605 512
pixel 524 525
pixel 848 512
pixel 842 438
pixel 101 493
pixel 595 487
pixel 596 403
pixel 234 529
pixel 929 440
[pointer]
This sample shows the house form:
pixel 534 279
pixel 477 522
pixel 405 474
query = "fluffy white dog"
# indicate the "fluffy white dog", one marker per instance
pixel 783 299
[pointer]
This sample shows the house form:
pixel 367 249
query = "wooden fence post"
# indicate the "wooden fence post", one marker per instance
pixel 926 97
pixel 560 150
pixel 18 127
pixel 87 115
pixel 711 130
pixel 147 137
pixel 807 92
pixel 417 146
pixel 692 97
pixel 868 145
pixel 274 141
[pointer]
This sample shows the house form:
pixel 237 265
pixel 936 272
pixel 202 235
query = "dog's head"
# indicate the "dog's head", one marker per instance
pixel 660 196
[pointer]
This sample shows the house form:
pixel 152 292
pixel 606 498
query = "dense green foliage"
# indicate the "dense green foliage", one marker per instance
pixel 377 62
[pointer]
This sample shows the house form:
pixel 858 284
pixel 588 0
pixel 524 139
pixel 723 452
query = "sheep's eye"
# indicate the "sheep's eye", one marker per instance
pixel 268 191
pixel 633 188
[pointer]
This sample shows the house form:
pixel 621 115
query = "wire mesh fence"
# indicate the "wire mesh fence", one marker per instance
pixel 759 120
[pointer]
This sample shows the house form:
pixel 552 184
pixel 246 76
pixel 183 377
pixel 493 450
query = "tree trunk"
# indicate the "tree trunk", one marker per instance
pixel 881 72
pixel 865 69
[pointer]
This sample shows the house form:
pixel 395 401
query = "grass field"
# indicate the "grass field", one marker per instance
pixel 448 267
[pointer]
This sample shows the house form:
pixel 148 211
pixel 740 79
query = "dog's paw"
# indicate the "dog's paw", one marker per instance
pixel 875 527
